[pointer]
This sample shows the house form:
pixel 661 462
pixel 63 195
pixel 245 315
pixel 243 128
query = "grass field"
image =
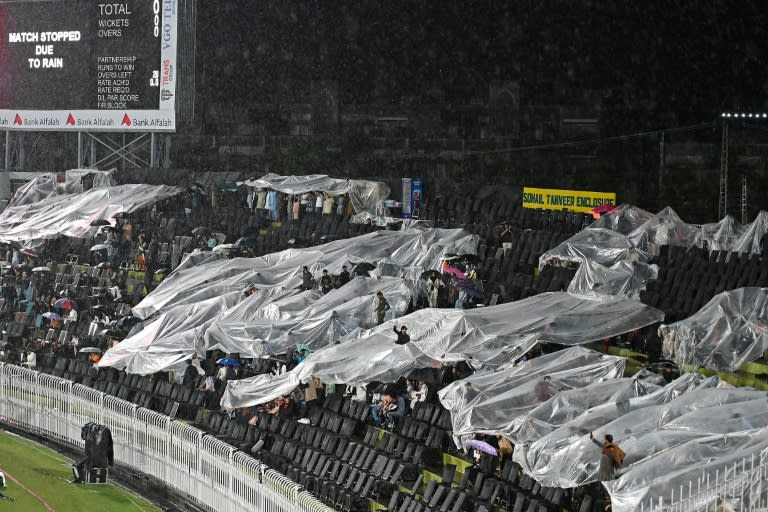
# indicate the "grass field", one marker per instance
pixel 45 473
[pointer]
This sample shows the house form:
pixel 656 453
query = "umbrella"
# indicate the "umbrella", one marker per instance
pixel 428 273
pixel 603 208
pixel 103 264
pixel 65 304
pixel 90 350
pixel 449 256
pixel 128 321
pixel 52 316
pixel 363 268
pixel 99 247
pixel 29 252
pixel 100 222
pixel 228 361
pixel 200 230
pixel 41 269
pixel 111 228
pixel 483 447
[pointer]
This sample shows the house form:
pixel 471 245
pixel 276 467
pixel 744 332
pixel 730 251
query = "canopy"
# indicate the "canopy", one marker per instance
pixel 727 332
pixel 72 214
pixel 571 403
pixel 692 469
pixel 484 336
pixel 566 458
pixel 170 339
pixel 274 320
pixel 395 253
pixel 488 401
pixel 363 194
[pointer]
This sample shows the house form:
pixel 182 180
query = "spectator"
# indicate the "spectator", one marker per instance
pixel 611 459
pixel 307 279
pixel 394 410
pixel 382 306
pixel 190 375
pixel 419 394
pixel 326 282
pixel 434 283
pixel 343 276
pixel 30 361
pixel 378 408
pixel 402 335
pixel 544 390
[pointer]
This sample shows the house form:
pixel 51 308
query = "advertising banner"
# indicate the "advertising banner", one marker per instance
pixel 571 200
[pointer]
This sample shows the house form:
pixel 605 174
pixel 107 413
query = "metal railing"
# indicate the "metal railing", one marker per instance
pixel 742 484
pixel 212 473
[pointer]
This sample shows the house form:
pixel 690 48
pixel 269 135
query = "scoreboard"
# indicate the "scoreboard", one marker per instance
pixel 88 65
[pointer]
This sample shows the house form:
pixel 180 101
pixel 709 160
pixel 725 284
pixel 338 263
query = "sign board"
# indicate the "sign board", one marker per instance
pixel 85 65
pixel 571 200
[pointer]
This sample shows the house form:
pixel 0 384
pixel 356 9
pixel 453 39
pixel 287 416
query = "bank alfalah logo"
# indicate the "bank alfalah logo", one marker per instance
pixel 165 94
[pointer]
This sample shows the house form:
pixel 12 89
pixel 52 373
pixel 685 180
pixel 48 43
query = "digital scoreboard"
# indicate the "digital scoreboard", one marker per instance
pixel 88 65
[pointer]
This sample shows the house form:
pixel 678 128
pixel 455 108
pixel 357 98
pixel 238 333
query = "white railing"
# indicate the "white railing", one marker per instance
pixel 214 474
pixel 742 484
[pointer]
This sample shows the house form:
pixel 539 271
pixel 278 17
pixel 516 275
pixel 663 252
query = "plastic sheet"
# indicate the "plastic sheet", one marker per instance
pixel 730 235
pixel 404 254
pixel 363 194
pixel 623 279
pixel 664 228
pixel 569 404
pixel 567 458
pixel 484 336
pixel 489 401
pixel 727 332
pixel 706 460
pixel 273 321
pixel 72 214
pixel 169 340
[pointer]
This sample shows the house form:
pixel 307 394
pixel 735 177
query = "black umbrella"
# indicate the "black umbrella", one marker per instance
pixel 128 322
pixel 100 222
pixel 428 273
pixel 200 230
pixel 363 268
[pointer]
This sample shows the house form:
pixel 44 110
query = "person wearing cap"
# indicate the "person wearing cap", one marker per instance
pixel 402 335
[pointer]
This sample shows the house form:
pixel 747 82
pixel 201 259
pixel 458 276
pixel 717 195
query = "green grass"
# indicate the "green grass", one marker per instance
pixel 46 473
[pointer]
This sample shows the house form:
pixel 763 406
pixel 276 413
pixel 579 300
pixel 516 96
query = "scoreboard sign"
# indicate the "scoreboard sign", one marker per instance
pixel 88 65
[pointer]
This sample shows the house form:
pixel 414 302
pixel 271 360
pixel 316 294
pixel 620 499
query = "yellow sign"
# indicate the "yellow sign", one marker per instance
pixel 572 200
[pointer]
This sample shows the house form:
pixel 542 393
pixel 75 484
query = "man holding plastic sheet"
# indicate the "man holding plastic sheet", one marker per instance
pixel 402 335
pixel 610 460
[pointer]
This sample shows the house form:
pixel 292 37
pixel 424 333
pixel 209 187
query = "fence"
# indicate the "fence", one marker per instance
pixel 212 473
pixel 743 484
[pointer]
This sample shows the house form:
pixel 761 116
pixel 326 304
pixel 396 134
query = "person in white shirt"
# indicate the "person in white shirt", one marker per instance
pixel 31 361
pixel 419 394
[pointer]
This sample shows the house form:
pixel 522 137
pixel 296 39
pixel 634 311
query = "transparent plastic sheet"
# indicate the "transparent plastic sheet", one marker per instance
pixel 567 458
pixel 613 251
pixel 664 228
pixel 273 323
pixel 490 400
pixel 598 245
pixel 727 332
pixel 484 336
pixel 374 358
pixel 363 194
pixel 404 254
pixel 704 459
pixel 730 235
pixel 169 340
pixel 71 214
pixel 569 404
pixel 44 186
pixel 623 279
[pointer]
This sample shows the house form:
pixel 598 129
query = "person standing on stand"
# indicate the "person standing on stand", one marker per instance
pixel 381 308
